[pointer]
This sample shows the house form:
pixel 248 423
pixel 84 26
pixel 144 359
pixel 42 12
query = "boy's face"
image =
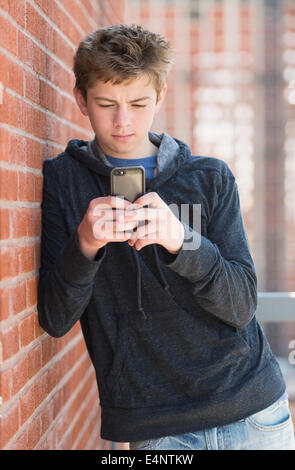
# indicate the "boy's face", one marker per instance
pixel 121 115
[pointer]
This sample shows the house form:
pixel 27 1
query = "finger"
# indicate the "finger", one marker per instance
pixel 108 202
pixel 110 229
pixel 102 213
pixel 122 215
pixel 150 199
pixel 142 242
pixel 147 213
pixel 122 227
pixel 146 231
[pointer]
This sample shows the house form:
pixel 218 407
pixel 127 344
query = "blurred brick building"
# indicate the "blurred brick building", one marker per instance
pixel 232 96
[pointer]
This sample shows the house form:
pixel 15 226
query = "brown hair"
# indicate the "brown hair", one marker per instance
pixel 122 53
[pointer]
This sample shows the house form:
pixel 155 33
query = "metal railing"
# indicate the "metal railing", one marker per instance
pixel 276 307
pixel 279 307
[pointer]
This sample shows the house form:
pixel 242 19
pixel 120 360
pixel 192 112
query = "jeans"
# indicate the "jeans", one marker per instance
pixel 269 429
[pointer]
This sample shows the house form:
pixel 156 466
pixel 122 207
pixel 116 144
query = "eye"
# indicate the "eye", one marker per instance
pixel 139 105
pixel 106 105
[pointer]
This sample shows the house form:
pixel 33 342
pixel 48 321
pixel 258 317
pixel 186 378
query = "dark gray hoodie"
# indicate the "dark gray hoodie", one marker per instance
pixel 173 338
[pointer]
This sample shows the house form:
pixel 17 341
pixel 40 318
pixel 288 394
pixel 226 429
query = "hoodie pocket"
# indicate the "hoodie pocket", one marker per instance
pixel 171 357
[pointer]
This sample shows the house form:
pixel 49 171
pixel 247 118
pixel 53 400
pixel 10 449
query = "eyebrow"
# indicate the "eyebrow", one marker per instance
pixel 102 98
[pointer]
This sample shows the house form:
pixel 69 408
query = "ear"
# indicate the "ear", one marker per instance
pixel 80 101
pixel 161 98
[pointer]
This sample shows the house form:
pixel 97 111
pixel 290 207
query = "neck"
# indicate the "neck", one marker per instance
pixel 147 149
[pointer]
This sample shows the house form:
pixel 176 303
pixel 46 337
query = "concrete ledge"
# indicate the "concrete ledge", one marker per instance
pixel 276 306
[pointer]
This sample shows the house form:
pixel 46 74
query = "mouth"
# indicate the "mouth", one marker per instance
pixel 122 138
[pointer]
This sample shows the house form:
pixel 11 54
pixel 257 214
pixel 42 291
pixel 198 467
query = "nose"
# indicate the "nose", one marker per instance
pixel 122 118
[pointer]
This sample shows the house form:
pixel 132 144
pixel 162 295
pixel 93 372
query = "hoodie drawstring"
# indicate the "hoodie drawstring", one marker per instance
pixel 136 257
pixel 166 285
pixel 140 307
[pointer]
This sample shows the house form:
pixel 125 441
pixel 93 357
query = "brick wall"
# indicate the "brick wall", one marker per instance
pixel 49 396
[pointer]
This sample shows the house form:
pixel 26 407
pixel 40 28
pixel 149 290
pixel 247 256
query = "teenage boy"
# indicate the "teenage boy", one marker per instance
pixel 167 309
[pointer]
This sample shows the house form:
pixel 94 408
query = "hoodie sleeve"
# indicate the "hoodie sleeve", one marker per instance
pixel 220 267
pixel 66 276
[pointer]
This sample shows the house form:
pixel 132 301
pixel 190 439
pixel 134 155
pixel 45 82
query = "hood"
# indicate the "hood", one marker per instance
pixel 171 155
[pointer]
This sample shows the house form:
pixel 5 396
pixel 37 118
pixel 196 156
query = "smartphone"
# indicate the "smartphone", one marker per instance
pixel 128 182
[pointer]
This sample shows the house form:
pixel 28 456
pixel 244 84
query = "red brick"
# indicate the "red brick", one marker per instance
pixel 62 49
pixel 18 298
pixel 21 443
pixel 46 416
pixel 18 11
pixel 4 145
pixel 8 184
pixel 5 5
pixel 25 117
pixel 34 361
pixel 32 87
pixel 4 74
pixel 33 154
pixel 27 331
pixel 9 266
pixel 4 303
pixel 27 404
pixel 26 187
pixel 49 443
pixel 4 224
pixel 9 110
pixel 32 287
pixel 39 60
pixel 38 330
pixel 5 385
pixel 25 49
pixel 44 5
pixel 54 375
pixel 34 432
pixel 47 350
pixel 58 403
pixel 10 342
pixel 77 13
pixel 41 388
pixel 34 221
pixel 19 375
pixel 9 425
pixel 50 99
pixel 17 149
pixel 8 35
pixel 38 188
pixel 27 262
pixel 19 222
pixel 16 78
pixel 36 24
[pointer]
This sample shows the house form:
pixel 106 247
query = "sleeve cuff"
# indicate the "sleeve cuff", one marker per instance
pixel 195 258
pixel 81 269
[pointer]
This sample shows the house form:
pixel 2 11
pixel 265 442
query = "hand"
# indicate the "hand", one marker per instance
pixel 162 226
pixel 100 225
